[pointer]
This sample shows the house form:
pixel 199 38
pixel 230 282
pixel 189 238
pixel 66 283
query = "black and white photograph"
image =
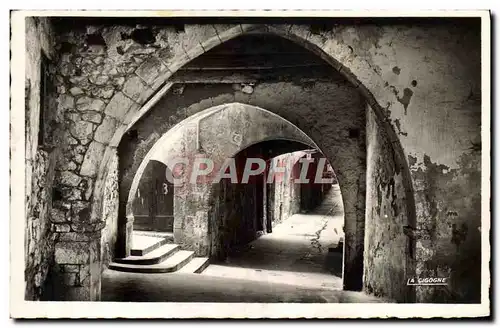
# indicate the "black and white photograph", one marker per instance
pixel 263 164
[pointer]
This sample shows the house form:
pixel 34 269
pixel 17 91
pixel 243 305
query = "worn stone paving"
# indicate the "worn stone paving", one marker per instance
pixel 189 287
pixel 295 253
pixel 288 265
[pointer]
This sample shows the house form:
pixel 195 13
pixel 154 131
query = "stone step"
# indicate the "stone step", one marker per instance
pixel 171 264
pixel 196 265
pixel 160 223
pixel 324 210
pixel 169 236
pixel 142 245
pixel 325 206
pixel 153 257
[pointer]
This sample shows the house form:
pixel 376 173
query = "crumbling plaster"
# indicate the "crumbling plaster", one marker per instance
pixel 388 253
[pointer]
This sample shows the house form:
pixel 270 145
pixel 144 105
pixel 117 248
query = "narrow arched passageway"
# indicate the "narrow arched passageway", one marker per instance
pixel 285 225
pixel 394 108
pixel 274 216
pixel 279 228
pixel 218 108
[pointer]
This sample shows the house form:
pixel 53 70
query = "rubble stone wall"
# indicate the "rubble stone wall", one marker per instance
pixel 40 164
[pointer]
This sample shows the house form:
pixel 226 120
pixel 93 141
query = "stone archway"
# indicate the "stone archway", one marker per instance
pixel 125 107
pixel 198 39
pixel 238 127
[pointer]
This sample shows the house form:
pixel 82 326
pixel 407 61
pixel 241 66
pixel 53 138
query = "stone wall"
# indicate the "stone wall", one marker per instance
pixel 110 213
pixel 285 195
pixel 387 253
pixel 40 162
pixel 237 210
pixel 448 230
pixel 39 237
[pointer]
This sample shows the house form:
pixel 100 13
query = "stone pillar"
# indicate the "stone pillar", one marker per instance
pixel 129 228
pixel 191 201
pixel 77 270
pixel 353 195
pixel 265 225
pixel 191 218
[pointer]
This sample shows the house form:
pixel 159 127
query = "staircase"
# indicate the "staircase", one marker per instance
pixel 156 253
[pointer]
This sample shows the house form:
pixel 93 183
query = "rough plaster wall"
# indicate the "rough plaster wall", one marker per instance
pixel 285 199
pixel 427 77
pixel 233 216
pixel 438 122
pixel 448 234
pixel 233 210
pixel 386 246
pixel 110 213
pixel 40 165
pixel 430 84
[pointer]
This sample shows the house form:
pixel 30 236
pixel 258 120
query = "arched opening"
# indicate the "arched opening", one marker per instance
pixel 284 224
pixel 295 186
pixel 191 140
pixel 329 108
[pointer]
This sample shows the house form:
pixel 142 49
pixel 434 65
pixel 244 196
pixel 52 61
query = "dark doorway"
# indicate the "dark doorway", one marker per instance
pixel 153 207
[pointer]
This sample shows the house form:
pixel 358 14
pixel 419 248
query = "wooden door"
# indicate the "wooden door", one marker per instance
pixel 153 206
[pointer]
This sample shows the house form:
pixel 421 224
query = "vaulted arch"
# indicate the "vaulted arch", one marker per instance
pixel 217 134
pixel 156 71
pixel 218 143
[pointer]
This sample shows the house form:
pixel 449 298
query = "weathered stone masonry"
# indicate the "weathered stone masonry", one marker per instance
pixel 421 81
pixel 40 165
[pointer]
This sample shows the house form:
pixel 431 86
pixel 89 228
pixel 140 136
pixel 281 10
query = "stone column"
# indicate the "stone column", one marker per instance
pixel 77 270
pixel 353 195
pixel 191 202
